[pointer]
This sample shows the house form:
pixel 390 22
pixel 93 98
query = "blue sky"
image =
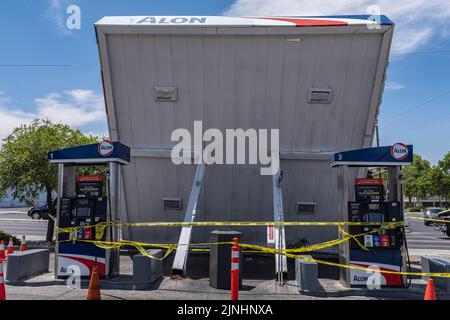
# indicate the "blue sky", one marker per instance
pixel 416 103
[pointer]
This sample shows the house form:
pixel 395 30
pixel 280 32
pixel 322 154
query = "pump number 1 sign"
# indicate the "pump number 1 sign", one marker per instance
pixel 105 148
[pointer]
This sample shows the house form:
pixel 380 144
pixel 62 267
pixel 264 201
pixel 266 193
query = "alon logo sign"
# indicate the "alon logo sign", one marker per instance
pixel 399 151
pixel 173 20
pixel 105 148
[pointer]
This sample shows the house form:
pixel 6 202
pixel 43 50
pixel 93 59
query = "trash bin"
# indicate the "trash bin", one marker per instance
pixel 220 260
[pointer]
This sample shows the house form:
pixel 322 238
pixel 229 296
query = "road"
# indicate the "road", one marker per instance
pixel 15 221
pixel 425 239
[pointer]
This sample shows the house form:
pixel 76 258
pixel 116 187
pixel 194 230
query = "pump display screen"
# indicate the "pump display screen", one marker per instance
pixel 369 193
pixel 375 217
pixel 83 212
pixel 93 189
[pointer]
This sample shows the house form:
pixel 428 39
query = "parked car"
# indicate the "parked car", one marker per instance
pixel 444 227
pixel 40 212
pixel 431 213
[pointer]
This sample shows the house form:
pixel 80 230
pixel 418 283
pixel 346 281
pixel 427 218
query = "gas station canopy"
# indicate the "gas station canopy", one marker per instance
pixel 100 153
pixel 396 155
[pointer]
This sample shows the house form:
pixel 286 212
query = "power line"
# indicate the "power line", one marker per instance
pixel 419 105
pixel 423 53
pixel 426 123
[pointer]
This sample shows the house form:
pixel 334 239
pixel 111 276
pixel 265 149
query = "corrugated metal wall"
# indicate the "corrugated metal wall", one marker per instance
pixel 239 81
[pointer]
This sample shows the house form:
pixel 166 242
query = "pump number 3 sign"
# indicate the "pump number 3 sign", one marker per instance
pixel 105 148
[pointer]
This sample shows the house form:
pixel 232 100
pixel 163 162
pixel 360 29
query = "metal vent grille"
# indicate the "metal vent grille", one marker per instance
pixel 166 94
pixel 306 207
pixel 319 95
pixel 172 203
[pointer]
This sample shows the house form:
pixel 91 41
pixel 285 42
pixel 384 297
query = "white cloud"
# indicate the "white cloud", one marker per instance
pixel 10 119
pixel 417 21
pixel 75 108
pixel 56 13
pixel 393 85
pixel 4 100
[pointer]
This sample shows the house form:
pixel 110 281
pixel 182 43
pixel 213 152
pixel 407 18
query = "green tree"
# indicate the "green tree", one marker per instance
pixel 24 168
pixel 415 183
pixel 436 179
pixel 444 165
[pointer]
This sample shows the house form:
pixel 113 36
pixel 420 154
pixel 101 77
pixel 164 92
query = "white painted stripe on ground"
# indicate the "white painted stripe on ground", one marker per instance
pixel 443 242
pixel 22 220
pixel 427 252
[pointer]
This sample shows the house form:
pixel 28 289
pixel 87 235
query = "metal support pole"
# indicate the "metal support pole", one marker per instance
pixel 60 190
pixel 278 214
pixel 179 263
pixel 113 213
pixel 344 250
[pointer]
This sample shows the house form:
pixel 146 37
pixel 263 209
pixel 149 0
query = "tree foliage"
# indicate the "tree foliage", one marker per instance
pixel 415 183
pixel 421 180
pixel 24 168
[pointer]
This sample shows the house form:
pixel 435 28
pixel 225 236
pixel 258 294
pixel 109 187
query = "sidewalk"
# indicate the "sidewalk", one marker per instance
pixel 45 287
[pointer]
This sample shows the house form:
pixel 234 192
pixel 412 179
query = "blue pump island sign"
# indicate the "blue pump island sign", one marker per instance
pixel 397 154
pixel 105 151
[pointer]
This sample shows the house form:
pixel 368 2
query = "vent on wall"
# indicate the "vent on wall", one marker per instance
pixel 166 93
pixel 306 207
pixel 316 95
pixel 172 203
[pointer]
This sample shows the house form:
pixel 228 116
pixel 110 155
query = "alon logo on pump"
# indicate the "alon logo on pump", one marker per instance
pixel 399 151
pixel 105 148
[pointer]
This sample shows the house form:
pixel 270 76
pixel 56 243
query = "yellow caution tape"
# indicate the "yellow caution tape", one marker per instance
pixel 289 253
pixel 256 248
pixel 429 219
pixel 100 227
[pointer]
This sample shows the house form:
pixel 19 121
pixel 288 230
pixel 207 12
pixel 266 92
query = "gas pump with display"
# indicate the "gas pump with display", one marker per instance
pixel 377 247
pixel 85 201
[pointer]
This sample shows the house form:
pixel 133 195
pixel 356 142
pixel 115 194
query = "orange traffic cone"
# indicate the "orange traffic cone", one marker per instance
pixel 430 292
pixel 23 244
pixel 2 283
pixel 2 251
pixel 10 247
pixel 94 286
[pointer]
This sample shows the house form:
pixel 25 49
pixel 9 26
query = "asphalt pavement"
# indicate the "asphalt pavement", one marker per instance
pixel 16 222
pixel 425 239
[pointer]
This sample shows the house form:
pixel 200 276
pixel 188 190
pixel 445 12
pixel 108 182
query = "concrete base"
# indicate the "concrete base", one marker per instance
pixel 26 264
pixel 146 270
pixel 45 287
pixel 306 275
pixel 437 264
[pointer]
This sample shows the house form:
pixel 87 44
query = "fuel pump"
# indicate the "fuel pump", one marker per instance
pixel 364 200
pixel 384 245
pixel 85 201
pixel 87 208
